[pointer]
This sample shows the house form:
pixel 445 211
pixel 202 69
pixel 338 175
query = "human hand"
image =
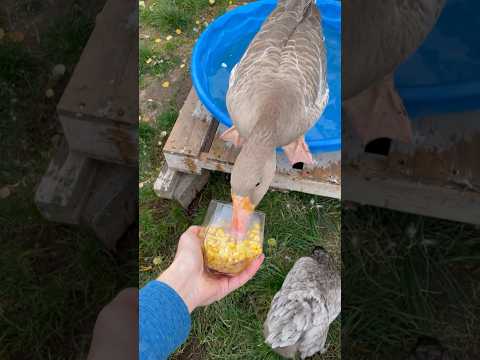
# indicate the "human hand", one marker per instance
pixel 116 329
pixel 188 276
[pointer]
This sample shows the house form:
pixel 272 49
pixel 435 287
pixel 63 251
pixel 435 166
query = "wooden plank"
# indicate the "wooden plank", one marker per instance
pixel 64 188
pixel 221 151
pixel 184 188
pixel 189 135
pixel 445 151
pixel 452 203
pixel 189 186
pixel 437 175
pixel 110 142
pixel 99 85
pixel 113 203
pixel 166 182
pixel 99 108
pixel 322 181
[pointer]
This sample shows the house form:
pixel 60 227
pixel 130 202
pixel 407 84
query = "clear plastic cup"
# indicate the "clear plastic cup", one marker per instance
pixel 223 252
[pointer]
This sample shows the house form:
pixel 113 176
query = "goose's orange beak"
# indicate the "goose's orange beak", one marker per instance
pixel 242 210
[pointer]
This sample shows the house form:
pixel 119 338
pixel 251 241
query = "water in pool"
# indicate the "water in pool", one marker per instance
pixel 328 126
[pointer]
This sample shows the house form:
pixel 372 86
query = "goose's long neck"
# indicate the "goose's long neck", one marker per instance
pixel 262 136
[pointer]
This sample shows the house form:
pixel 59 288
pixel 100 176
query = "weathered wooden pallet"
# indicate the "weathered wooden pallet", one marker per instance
pixel 437 175
pixel 78 190
pixel 92 180
pixel 194 147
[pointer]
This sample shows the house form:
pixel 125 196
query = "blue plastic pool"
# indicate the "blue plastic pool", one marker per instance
pixel 224 42
pixel 443 75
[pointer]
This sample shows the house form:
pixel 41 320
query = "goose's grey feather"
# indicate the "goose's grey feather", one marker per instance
pixel 379 35
pixel 302 311
pixel 279 86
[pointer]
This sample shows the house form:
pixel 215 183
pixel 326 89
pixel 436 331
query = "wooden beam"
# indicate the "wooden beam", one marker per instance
pixel 99 108
pixel 64 188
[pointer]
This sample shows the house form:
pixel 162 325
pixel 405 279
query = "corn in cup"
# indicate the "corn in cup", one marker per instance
pixel 223 253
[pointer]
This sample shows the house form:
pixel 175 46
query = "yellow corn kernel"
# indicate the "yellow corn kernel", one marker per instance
pixel 225 254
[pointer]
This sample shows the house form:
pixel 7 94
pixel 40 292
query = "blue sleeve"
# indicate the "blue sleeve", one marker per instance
pixel 164 322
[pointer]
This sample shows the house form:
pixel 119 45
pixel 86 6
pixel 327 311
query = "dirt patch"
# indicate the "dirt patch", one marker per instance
pixel 193 351
pixel 155 98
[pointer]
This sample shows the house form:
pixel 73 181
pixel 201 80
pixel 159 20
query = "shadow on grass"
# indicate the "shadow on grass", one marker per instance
pixel 406 277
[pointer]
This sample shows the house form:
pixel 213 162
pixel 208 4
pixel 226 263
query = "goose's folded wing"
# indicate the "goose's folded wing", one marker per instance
pixel 264 53
pixel 303 59
pixel 287 319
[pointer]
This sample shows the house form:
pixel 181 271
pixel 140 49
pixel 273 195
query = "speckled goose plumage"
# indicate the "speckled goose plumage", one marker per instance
pixel 378 36
pixel 302 311
pixel 279 87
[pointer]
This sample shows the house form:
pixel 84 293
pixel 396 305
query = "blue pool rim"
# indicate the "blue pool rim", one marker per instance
pixel 452 95
pixel 323 145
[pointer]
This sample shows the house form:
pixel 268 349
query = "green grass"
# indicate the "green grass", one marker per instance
pixel 67 36
pixel 21 78
pixel 297 228
pixel 406 276
pixel 169 15
pixel 55 278
pixel 52 291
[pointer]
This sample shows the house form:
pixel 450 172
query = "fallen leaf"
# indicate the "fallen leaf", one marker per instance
pixel 149 60
pixel 5 192
pixel 145 268
pixel 182 66
pixel 163 134
pixel 141 3
pixel 166 84
pixel 197 22
pixel 169 37
pixel 211 2
pixel 140 185
pixel 157 40
pixel 157 260
pixel 178 31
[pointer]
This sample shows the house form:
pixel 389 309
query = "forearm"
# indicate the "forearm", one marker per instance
pixel 179 279
pixel 164 321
